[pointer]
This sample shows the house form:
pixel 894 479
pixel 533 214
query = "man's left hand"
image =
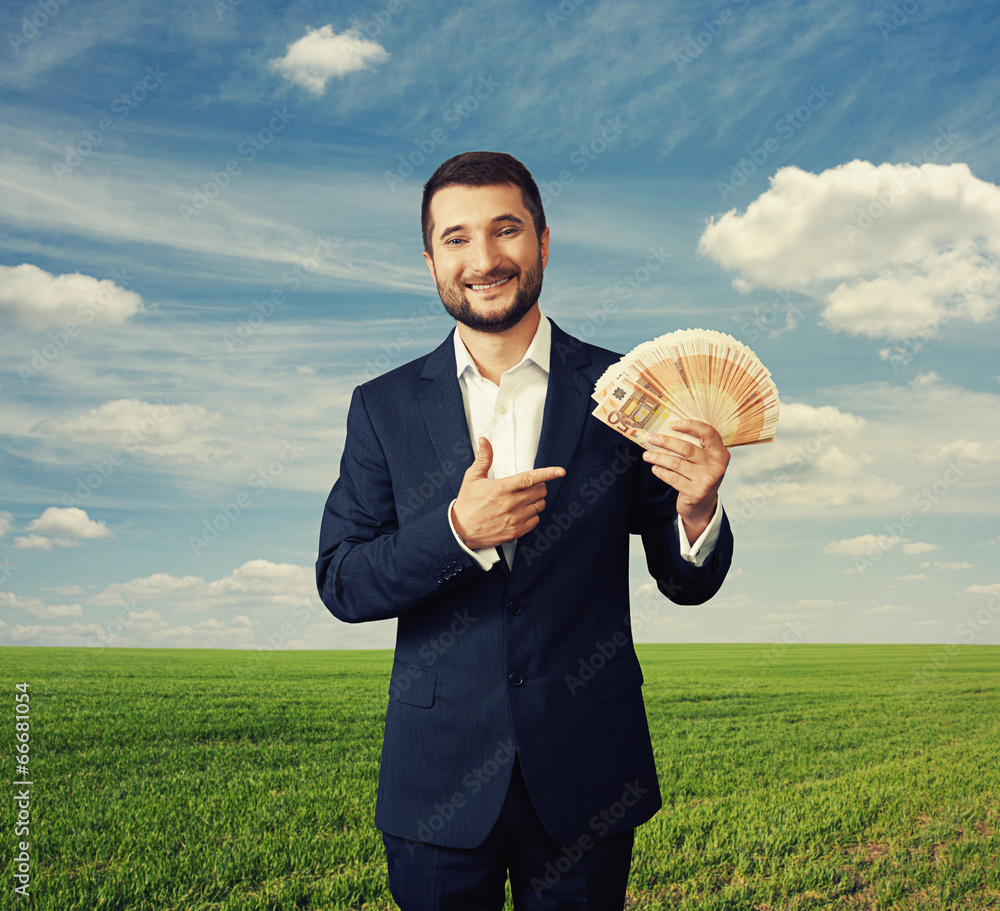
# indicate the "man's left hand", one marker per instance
pixel 694 472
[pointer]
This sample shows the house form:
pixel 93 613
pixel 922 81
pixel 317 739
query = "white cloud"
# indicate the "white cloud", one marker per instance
pixel 243 236
pixel 157 587
pixel 136 629
pixel 134 423
pixel 920 547
pixel 321 55
pixel 210 633
pixel 65 589
pixel 815 491
pixel 862 545
pixel 969 452
pixel 804 466
pixel 71 634
pixel 6 522
pixel 789 615
pixel 35 299
pixel 912 577
pixel 38 608
pixel 993 589
pixel 177 432
pixel 886 609
pixel 738 600
pixel 255 584
pixel 33 542
pixel 65 528
pixel 801 419
pixel 955 565
pixel 917 260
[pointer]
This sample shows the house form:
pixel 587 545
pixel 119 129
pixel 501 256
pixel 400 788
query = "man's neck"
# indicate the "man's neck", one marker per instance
pixel 495 353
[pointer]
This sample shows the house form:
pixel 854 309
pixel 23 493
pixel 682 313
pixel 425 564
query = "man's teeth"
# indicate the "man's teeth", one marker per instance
pixel 493 285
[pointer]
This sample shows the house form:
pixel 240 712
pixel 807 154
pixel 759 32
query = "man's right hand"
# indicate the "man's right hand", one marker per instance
pixel 492 511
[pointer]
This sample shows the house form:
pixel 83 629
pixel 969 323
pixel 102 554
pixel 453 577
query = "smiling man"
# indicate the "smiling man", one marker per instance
pixel 481 505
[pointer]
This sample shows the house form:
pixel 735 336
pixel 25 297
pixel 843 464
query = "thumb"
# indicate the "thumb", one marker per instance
pixel 480 468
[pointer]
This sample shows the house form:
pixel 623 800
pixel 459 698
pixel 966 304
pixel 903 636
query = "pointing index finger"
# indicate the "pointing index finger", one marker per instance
pixel 538 476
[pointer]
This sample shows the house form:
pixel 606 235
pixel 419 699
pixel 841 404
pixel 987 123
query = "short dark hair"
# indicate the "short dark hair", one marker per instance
pixel 482 169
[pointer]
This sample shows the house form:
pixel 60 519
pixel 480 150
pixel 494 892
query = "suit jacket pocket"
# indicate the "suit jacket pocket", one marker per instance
pixel 618 679
pixel 412 685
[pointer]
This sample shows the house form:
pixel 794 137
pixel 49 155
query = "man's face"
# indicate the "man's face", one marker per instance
pixel 486 260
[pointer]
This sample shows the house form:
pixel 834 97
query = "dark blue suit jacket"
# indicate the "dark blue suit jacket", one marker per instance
pixel 538 658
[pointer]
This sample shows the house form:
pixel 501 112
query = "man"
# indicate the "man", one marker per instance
pixel 515 738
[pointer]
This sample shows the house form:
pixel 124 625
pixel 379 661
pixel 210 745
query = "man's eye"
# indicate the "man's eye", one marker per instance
pixel 453 240
pixel 508 231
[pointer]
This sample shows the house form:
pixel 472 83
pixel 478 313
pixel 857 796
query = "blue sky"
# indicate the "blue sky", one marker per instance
pixel 209 225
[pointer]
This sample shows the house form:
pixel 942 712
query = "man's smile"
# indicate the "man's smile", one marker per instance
pixel 496 284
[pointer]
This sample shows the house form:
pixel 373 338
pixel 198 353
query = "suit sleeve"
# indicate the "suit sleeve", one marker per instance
pixel 370 567
pixel 654 518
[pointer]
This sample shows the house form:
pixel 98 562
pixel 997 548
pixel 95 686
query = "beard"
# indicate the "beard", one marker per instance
pixel 529 286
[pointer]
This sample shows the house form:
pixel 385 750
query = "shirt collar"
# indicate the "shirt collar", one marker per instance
pixel 538 351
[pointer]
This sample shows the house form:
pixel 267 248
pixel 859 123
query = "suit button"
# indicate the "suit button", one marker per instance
pixel 515 679
pixel 514 608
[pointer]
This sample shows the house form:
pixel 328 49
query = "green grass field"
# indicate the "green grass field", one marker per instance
pixel 792 777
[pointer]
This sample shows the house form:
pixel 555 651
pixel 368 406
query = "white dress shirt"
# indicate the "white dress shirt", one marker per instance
pixel 510 417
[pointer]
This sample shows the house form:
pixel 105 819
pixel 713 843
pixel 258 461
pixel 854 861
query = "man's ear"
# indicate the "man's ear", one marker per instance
pixel 430 265
pixel 544 246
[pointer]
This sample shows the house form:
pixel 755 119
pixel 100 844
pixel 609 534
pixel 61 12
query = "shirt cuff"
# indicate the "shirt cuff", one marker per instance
pixel 701 550
pixel 485 556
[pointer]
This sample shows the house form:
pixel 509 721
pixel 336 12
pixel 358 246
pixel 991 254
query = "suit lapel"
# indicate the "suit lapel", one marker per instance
pixel 567 404
pixel 444 415
pixel 444 412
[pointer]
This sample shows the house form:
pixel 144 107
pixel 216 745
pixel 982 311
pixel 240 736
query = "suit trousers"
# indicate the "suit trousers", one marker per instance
pixel 543 873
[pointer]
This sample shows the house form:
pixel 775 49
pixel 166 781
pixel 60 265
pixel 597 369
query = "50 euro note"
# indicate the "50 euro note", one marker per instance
pixel 626 409
pixel 694 374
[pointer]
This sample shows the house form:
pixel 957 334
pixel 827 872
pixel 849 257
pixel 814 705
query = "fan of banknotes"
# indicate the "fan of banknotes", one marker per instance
pixel 692 373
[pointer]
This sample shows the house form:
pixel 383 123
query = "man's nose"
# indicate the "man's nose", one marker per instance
pixel 485 257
